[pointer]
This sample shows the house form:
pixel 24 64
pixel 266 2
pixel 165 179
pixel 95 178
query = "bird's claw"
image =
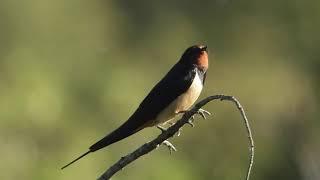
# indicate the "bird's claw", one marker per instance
pixel 190 121
pixel 203 113
pixel 169 145
pixel 179 132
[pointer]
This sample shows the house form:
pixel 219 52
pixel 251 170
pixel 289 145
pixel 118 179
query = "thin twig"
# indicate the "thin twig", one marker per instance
pixel 148 147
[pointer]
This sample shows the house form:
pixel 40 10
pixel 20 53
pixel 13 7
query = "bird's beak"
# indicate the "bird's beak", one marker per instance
pixel 204 48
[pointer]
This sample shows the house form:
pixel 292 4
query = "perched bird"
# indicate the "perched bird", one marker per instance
pixel 175 93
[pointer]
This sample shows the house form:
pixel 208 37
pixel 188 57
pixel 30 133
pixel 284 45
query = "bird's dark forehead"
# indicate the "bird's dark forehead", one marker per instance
pixel 197 47
pixel 201 46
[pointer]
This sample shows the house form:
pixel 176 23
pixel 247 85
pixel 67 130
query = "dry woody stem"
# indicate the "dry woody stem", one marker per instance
pixel 171 131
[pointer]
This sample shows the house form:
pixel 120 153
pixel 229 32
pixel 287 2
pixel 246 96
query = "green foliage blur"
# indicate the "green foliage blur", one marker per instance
pixel 72 71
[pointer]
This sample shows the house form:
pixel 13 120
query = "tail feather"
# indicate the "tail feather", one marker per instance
pixel 128 128
pixel 122 132
pixel 86 153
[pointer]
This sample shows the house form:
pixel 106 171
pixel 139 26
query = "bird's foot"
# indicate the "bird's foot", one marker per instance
pixel 203 113
pixel 169 145
pixel 200 111
pixel 190 121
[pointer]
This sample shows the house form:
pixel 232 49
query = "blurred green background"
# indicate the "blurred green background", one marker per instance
pixel 72 71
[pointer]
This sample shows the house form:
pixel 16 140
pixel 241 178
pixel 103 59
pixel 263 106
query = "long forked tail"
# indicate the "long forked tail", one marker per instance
pixel 122 132
pixel 125 130
pixel 76 159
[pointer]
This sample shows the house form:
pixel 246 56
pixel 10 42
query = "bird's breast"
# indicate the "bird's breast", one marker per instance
pixel 182 102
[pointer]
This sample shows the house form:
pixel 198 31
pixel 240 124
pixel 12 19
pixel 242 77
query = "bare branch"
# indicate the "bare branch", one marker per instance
pixel 166 134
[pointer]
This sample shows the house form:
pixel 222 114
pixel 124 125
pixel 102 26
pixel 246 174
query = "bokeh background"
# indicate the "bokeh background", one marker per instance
pixel 72 71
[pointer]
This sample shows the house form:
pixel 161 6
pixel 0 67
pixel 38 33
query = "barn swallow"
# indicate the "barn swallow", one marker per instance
pixel 175 93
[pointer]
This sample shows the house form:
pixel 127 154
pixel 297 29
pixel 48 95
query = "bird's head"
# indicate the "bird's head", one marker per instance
pixel 196 55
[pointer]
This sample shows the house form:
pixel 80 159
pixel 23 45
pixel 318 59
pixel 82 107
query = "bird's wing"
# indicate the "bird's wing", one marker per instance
pixel 166 91
pixel 176 82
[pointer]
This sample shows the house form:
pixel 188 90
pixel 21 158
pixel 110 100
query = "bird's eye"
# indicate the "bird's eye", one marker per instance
pixel 203 48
